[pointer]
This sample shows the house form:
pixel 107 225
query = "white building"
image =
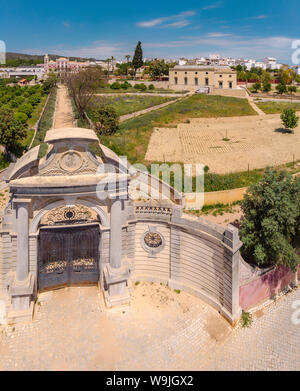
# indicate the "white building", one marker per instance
pixel 271 63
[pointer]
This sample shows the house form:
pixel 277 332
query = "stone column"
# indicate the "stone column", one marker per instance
pixel 22 242
pixel 232 244
pixel 117 272
pixel 116 233
pixel 21 284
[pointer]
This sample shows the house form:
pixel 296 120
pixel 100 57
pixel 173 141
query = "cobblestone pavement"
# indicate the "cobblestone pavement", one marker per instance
pixel 160 330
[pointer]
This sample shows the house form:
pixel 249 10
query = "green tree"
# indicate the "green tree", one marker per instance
pixel 12 131
pixel 266 87
pixel 106 120
pixel 158 69
pixel 137 60
pixel 271 220
pixel 292 89
pixel 289 118
pixel 50 82
pixel 281 88
pixel 256 87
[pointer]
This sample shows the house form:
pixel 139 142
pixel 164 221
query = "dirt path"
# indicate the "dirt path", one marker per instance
pixel 255 107
pixel 63 116
pixel 148 110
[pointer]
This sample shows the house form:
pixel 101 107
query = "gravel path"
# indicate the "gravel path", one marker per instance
pixel 63 116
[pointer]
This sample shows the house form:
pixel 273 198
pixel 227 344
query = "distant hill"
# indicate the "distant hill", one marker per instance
pixel 19 59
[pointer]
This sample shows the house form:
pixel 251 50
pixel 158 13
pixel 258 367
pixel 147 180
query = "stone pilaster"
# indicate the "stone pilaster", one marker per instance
pixel 21 282
pixel 117 272
pixel 231 285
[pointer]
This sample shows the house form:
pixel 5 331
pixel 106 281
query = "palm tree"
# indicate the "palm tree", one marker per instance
pixel 112 63
pixel 127 57
pixel 108 64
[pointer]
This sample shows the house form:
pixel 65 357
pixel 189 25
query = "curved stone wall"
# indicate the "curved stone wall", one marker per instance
pixel 197 256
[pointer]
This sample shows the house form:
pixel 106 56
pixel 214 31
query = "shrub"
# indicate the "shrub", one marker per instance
pixel 22 117
pixel 26 108
pixel 106 120
pixel 143 87
pixel 246 319
pixel 34 99
pixel 115 86
pixel 125 85
pixel 151 87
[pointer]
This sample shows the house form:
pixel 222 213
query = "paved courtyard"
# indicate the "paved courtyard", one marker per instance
pixel 160 330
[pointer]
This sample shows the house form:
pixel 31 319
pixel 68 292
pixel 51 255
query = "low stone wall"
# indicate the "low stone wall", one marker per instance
pixel 234 92
pixel 216 197
pixel 198 256
pixel 264 284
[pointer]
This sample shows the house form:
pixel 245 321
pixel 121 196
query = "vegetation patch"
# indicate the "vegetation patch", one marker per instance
pixel 46 120
pixel 246 319
pixel 133 136
pixel 277 107
pixel 128 104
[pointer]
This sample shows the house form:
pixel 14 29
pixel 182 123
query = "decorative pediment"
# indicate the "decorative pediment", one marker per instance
pixel 63 215
pixel 69 163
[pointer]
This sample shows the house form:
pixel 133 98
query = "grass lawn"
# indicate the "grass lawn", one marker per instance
pixel 33 120
pixel 133 135
pixel 46 120
pixel 108 90
pixel 129 103
pixel 276 107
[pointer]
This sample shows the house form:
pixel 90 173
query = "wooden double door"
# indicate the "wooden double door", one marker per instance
pixel 68 256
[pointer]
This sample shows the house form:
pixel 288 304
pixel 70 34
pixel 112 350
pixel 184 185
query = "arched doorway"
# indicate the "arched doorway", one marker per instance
pixel 68 248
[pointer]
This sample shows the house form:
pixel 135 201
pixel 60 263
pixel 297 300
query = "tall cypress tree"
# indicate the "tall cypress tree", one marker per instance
pixel 137 60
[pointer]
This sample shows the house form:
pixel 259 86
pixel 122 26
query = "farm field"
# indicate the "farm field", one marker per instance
pixel 129 103
pixel 133 135
pixel 226 145
pixel 276 107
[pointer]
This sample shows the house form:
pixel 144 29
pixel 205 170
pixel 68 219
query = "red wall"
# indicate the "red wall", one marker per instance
pixel 265 286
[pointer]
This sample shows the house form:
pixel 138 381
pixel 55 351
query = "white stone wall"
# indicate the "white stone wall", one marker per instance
pixel 158 268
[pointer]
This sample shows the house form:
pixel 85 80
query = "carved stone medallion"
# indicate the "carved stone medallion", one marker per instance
pixel 71 161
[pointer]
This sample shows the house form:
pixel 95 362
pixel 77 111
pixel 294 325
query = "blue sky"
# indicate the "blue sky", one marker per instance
pixel 252 29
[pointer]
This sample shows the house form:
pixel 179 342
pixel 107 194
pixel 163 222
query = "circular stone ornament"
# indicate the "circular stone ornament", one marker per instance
pixel 153 241
pixel 71 161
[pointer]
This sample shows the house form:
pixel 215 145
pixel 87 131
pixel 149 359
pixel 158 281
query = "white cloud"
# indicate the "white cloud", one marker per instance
pixel 178 21
pixel 212 6
pixel 229 45
pixel 67 25
pixel 218 35
pixel 259 17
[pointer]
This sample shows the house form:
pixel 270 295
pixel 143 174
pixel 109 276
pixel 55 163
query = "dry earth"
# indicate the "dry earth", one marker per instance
pixel 63 117
pixel 255 140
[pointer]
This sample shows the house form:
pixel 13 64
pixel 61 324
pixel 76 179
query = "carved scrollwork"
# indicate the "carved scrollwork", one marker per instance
pixel 68 215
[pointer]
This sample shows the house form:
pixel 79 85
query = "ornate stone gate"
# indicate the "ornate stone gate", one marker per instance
pixel 61 228
pixel 68 256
